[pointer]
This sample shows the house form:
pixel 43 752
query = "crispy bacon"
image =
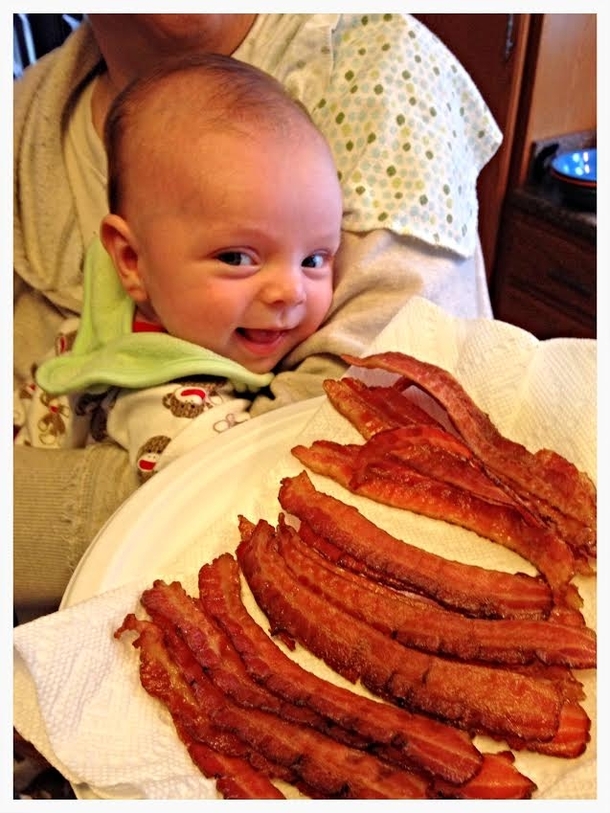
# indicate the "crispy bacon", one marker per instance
pixel 216 655
pixel 334 554
pixel 211 699
pixel 488 700
pixel 390 732
pixel 324 764
pixel 435 453
pixel 553 485
pixel 417 623
pixel 395 484
pixel 505 523
pixel 450 650
pixel 232 780
pixel 497 779
pixel 218 755
pixel 346 396
pixel 565 680
pixel 468 588
pixel 319 765
pixel 571 739
pixel 314 762
pixel 373 409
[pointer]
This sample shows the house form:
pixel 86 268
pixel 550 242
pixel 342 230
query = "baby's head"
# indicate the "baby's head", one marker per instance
pixel 225 208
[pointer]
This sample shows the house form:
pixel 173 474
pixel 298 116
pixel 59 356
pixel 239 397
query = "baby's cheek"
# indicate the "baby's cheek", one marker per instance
pixel 325 304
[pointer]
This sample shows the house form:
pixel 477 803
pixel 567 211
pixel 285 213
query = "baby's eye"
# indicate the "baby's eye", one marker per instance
pixel 235 258
pixel 314 261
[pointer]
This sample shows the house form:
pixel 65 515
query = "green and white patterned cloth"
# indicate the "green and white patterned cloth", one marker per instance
pixel 409 130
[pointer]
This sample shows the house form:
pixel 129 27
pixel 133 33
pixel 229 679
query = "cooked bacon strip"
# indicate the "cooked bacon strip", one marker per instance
pixel 438 454
pixel 373 409
pixel 574 723
pixel 505 524
pixel 338 556
pixel 436 462
pixel 216 655
pixel 347 396
pixel 544 476
pixel 563 677
pixel 393 440
pixel 211 699
pixel 497 779
pixel 415 623
pixel 399 486
pixel 468 588
pixel 334 554
pixel 393 733
pixel 232 781
pixel 299 754
pixel 321 763
pixel 162 678
pixel 571 738
pixel 303 770
pixel 399 408
pixel 579 536
pixel 335 770
pixel 170 678
pixel 477 698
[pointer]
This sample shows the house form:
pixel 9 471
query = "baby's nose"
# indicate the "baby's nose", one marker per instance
pixel 285 285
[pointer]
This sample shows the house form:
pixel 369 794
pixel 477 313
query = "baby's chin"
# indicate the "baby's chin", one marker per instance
pixel 259 366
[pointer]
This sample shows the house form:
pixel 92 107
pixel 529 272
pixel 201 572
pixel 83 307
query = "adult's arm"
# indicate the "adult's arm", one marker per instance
pixel 61 500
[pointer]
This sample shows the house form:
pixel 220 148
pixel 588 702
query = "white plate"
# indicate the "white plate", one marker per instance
pixel 141 536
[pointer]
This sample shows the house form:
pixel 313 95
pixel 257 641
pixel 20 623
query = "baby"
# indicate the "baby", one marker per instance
pixel 214 261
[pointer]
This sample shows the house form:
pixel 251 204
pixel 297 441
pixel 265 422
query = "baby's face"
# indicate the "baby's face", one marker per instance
pixel 236 242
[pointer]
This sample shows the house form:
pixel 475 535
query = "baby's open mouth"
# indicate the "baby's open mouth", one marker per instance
pixel 260 336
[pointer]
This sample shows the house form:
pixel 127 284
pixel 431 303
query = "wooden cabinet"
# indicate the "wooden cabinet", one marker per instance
pixel 537 73
pixel 546 278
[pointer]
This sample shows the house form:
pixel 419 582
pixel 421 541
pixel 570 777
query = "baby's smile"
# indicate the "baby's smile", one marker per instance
pixel 260 336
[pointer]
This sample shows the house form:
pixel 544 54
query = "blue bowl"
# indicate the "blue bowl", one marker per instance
pixel 578 167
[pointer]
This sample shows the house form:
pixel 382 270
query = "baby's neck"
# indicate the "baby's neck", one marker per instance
pixel 144 324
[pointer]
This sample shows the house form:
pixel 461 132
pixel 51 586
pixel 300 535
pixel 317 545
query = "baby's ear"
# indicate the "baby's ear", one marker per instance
pixel 119 242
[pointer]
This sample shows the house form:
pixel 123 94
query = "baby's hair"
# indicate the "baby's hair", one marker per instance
pixel 236 93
